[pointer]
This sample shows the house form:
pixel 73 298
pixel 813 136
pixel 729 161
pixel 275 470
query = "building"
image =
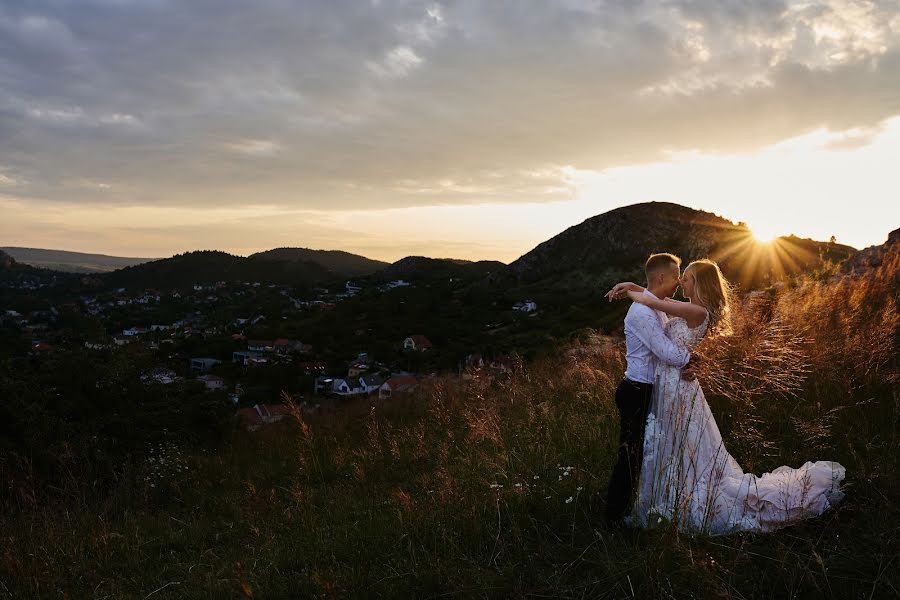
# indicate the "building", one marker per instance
pixel 398 384
pixel 203 364
pixel 212 382
pixel 417 342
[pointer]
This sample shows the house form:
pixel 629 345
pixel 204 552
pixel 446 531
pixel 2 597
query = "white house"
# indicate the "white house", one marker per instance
pixel 134 331
pixel 203 364
pixel 371 383
pixel 212 382
pixel 347 386
pixel 525 306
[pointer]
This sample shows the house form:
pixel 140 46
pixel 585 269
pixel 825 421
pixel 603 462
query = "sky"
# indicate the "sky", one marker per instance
pixel 463 129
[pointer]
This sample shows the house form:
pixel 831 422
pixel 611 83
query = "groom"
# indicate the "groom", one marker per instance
pixel 645 344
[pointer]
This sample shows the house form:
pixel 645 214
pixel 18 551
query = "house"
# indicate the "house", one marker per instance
pixel 41 349
pixel 357 369
pixel 260 345
pixel 323 384
pixel 262 414
pixel 371 383
pixel 243 357
pixel 347 386
pixel 203 364
pixel 474 361
pixel 525 306
pixel 284 345
pixel 212 382
pixel 134 331
pixel 398 384
pixel 502 363
pixel 416 342
pixel 160 375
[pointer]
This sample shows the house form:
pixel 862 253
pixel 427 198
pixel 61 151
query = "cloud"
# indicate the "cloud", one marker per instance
pixel 330 105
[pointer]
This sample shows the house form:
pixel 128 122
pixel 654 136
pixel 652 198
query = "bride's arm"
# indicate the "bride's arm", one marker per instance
pixel 619 290
pixel 686 310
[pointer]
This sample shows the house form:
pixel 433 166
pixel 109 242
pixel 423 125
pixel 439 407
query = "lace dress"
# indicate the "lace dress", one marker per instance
pixel 688 477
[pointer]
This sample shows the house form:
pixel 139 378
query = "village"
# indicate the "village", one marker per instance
pixel 238 341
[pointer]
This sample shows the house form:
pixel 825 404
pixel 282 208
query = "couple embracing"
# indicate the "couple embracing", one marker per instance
pixel 670 447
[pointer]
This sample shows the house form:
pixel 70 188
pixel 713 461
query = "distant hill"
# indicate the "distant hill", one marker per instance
pixel 616 243
pixel 210 266
pixel 343 264
pixel 71 262
pixel 874 257
pixel 15 273
pixel 412 268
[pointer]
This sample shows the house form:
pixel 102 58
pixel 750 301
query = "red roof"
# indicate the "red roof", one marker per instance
pixel 42 347
pixel 400 382
pixel 420 341
pixel 281 342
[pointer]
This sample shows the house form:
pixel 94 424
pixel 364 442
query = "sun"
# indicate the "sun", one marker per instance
pixel 764 234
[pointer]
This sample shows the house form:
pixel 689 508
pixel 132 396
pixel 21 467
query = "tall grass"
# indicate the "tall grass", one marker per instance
pixel 495 486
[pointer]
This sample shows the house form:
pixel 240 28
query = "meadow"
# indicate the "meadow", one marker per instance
pixel 495 486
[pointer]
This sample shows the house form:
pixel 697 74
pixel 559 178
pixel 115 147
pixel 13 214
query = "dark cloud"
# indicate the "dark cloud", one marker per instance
pixel 339 104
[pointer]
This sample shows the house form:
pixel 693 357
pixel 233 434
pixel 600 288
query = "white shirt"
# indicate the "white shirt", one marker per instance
pixel 646 343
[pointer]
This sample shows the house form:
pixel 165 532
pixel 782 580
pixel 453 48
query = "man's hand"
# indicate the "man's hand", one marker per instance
pixel 689 372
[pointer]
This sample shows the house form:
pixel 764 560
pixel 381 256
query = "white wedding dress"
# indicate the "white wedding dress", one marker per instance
pixel 689 478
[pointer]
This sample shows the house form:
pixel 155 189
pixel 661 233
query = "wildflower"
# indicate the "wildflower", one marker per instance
pixel 536 477
pixel 579 488
pixel 569 500
pixel 518 485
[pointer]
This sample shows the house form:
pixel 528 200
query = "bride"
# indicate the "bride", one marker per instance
pixel 687 476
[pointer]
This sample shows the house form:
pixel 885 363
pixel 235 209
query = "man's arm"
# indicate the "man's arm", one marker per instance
pixel 647 328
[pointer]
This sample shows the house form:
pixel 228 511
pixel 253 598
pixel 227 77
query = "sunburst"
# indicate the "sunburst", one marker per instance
pixel 756 257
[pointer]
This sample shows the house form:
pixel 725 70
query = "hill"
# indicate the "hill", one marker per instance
pixel 616 243
pixel 414 268
pixel 343 264
pixel 71 262
pixel 873 257
pixel 210 266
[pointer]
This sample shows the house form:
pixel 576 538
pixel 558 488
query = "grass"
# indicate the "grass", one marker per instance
pixel 495 487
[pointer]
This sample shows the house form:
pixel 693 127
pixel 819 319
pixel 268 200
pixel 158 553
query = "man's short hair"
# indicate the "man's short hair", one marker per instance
pixel 657 262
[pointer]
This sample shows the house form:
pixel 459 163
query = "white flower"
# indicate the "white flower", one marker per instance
pixel 537 477
pixel 579 488
pixel 569 499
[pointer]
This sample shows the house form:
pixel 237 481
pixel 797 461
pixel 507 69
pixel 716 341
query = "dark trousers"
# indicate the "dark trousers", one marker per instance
pixel 633 401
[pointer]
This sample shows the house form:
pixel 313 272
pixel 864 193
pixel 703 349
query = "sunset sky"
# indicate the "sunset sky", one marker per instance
pixel 467 129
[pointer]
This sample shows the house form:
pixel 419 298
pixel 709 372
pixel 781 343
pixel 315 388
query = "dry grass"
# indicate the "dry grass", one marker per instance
pixel 494 487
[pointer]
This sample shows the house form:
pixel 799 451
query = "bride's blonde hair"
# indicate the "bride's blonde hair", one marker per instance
pixel 713 291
